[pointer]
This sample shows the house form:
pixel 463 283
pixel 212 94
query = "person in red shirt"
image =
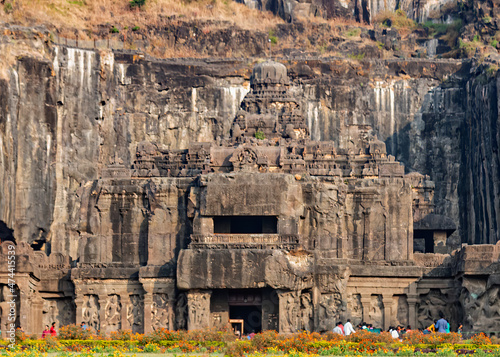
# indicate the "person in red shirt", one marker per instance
pixel 53 329
pixel 46 332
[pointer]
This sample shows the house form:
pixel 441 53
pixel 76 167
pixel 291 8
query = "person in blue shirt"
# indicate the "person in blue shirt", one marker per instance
pixel 441 324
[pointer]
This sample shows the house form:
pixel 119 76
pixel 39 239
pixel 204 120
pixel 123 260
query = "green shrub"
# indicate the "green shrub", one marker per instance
pixel 8 8
pixel 260 135
pixel 137 3
pixel 272 37
pixel 135 28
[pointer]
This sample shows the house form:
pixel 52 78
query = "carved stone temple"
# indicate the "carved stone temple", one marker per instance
pixel 264 225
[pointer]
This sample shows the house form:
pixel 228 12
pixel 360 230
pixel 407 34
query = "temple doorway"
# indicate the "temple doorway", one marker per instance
pixel 251 316
pixel 246 305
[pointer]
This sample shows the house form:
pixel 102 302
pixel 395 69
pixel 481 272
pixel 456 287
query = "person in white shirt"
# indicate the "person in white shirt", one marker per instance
pixel 337 329
pixel 394 332
pixel 348 329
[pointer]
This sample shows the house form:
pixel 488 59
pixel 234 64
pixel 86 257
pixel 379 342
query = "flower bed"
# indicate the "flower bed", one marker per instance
pixel 73 342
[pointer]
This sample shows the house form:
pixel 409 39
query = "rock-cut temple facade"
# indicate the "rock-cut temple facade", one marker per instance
pixel 264 226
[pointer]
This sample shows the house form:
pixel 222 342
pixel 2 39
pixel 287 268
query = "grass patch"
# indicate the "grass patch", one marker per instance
pixel 355 32
pixel 272 37
pixel 396 19
pixel 77 2
pixel 358 57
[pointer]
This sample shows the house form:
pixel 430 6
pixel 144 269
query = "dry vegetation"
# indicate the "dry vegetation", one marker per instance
pixel 88 16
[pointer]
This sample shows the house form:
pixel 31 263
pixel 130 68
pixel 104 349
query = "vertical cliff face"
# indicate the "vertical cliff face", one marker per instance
pixel 65 119
pixel 361 10
pixel 420 119
pixel 480 209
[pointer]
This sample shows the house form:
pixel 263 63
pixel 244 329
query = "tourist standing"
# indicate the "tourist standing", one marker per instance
pixel 441 324
pixel 46 332
pixel 337 329
pixel 348 329
pixel 53 330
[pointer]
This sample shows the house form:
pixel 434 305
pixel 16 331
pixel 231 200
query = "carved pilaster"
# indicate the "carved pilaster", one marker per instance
pixel 102 311
pixel 412 310
pixel 148 305
pixel 388 301
pixel 198 309
pixel 366 304
pixel 125 300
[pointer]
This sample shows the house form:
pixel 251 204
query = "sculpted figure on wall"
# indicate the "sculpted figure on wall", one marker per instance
pixel 429 307
pixel 289 313
pixel 401 309
pixel 329 311
pixel 481 311
pixel 198 309
pixel 376 314
pixel 113 313
pixel 91 311
pixel 135 313
pixel 159 312
pixel 306 312
pixel 49 312
pixel 355 308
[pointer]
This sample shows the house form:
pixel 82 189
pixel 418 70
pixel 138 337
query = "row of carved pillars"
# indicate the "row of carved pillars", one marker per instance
pixel 28 308
pixel 199 308
pixel 388 303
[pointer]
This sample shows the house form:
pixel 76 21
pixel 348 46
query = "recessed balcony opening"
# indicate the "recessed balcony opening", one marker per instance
pixel 423 241
pixel 246 224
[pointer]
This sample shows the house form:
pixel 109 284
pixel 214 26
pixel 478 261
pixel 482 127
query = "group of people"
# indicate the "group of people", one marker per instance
pixel 49 331
pixel 441 326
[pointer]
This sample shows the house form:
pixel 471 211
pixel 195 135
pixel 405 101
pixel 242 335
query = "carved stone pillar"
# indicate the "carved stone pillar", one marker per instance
pixel 148 306
pixel 366 303
pixel 388 301
pixel 36 323
pixel 412 310
pixel 367 235
pixel 125 300
pixel 102 311
pixel 198 309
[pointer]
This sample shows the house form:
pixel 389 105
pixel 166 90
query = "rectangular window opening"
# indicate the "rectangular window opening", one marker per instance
pixel 246 224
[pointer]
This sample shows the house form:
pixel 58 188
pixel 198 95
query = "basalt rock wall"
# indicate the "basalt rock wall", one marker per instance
pixel 64 119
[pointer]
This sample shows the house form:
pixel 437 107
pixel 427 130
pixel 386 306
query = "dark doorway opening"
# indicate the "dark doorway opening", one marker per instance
pixel 423 241
pixel 251 315
pixel 246 224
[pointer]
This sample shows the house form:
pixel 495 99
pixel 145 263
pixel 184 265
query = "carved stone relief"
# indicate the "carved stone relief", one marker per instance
pixel 481 310
pixel 60 311
pixel 429 307
pixel 306 312
pixel 159 312
pixel 90 311
pixel 355 308
pixel 289 313
pixel 198 309
pixel 330 309
pixel 135 313
pixel 400 310
pixel 113 313
pixel 376 313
